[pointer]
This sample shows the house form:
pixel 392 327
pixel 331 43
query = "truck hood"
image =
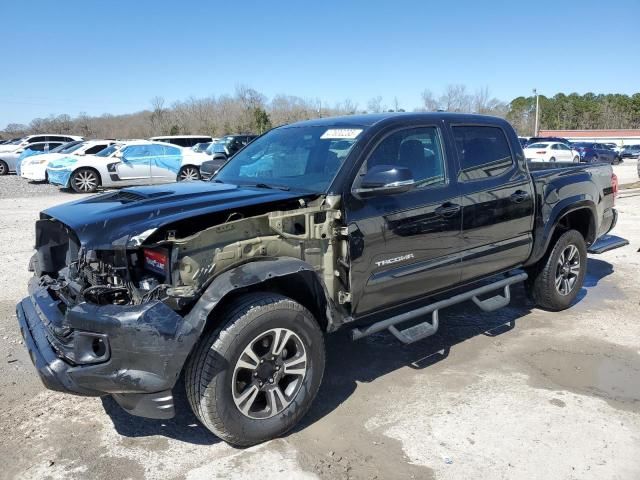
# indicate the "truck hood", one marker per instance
pixel 127 217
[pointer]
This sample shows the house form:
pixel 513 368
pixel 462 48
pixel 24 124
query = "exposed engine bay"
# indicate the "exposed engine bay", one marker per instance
pixel 175 265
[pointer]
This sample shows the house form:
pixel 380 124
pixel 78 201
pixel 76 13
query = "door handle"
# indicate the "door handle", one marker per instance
pixel 447 210
pixel 519 196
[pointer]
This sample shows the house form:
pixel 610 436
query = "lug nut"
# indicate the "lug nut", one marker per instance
pixel 262 360
pixel 277 367
pixel 255 374
pixel 271 380
pixel 260 383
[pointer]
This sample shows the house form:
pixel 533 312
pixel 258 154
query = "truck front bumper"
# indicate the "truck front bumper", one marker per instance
pixel 142 349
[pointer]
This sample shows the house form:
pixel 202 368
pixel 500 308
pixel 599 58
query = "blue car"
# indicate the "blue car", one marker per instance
pixel 591 152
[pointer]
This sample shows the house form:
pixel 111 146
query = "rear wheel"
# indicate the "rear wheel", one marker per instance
pixel 189 174
pixel 556 280
pixel 576 159
pixel 256 376
pixel 4 168
pixel 552 159
pixel 85 180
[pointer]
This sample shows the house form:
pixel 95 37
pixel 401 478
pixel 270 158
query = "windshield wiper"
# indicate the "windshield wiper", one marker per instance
pixel 265 185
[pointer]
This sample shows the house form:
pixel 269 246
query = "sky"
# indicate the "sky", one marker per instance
pixel 114 57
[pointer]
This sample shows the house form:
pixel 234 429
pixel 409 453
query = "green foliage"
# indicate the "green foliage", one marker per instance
pixel 576 112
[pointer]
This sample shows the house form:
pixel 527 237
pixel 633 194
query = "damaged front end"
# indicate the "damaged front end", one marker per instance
pixel 121 320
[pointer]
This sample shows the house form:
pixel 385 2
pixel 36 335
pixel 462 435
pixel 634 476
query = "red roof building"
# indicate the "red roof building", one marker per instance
pixel 619 136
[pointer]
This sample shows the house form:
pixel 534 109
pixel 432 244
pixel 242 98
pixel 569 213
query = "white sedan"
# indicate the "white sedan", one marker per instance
pixel 35 168
pixel 139 162
pixel 550 152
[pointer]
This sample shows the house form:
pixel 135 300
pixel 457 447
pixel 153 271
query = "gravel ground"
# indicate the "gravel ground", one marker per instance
pixel 519 394
pixel 12 186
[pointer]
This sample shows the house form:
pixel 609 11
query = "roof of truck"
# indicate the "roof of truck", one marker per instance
pixel 369 119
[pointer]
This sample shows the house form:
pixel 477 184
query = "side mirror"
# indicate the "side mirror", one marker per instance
pixel 385 180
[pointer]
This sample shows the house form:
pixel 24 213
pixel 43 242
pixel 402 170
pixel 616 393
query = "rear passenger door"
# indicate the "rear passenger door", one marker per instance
pixel 497 200
pixel 404 246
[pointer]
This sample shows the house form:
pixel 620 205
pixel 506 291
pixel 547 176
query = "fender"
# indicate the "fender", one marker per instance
pixel 252 274
pixel 550 219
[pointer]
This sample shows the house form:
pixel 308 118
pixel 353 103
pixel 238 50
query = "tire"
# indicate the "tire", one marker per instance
pixel 188 174
pixel 85 180
pixel 544 277
pixel 576 159
pixel 552 159
pixel 4 168
pixel 219 384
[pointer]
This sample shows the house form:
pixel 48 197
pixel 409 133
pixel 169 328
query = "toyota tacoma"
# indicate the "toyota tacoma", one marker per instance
pixel 367 223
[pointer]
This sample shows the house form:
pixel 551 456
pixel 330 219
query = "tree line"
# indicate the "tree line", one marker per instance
pixel 249 111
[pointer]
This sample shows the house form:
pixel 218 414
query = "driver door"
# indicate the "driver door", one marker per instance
pixel 134 166
pixel 404 246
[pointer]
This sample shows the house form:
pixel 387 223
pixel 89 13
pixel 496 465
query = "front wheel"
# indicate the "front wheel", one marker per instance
pixel 188 174
pixel 85 180
pixel 4 168
pixel 552 159
pixel 576 159
pixel 255 377
pixel 556 280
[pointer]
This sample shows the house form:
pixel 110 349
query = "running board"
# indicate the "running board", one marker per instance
pixel 606 243
pixel 426 328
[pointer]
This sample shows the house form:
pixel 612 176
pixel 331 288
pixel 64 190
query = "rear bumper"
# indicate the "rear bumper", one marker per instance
pixel 146 350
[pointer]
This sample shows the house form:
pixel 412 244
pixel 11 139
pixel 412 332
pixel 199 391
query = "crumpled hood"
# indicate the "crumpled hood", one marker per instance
pixel 116 218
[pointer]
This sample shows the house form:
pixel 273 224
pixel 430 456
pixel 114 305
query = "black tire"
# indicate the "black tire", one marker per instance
pixel 552 159
pixel 4 168
pixel 576 159
pixel 543 277
pixel 211 378
pixel 85 180
pixel 189 173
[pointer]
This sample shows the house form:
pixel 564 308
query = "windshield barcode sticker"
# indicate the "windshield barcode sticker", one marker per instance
pixel 341 133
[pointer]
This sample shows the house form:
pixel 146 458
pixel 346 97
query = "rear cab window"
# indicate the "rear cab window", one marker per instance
pixel 483 151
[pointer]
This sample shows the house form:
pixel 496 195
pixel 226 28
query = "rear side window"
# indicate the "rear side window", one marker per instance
pixel 483 151
pixel 36 139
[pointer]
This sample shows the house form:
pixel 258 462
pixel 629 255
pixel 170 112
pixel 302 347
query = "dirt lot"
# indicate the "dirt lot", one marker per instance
pixel 520 393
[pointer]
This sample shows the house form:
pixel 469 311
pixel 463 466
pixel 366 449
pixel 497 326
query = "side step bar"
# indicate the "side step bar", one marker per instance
pixel 606 243
pixel 426 328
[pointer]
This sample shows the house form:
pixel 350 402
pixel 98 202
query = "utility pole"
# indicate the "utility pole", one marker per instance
pixel 535 92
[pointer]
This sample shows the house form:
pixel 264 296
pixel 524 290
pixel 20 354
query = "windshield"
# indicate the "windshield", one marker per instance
pixel 108 151
pixel 300 158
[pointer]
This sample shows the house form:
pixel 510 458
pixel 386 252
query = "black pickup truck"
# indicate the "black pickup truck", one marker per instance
pixel 357 222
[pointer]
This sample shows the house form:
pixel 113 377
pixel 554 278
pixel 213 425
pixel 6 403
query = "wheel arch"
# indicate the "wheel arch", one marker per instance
pixel 287 276
pixel 84 167
pixel 571 214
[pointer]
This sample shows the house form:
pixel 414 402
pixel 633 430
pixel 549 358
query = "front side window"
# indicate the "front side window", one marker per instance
pixel 418 149
pixel 483 151
pixel 301 158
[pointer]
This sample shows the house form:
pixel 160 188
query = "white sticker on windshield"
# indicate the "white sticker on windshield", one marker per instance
pixel 341 133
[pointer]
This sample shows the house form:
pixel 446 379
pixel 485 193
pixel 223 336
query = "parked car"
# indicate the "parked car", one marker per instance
pixel 132 163
pixel 9 159
pixel 36 168
pixel 596 152
pixel 183 140
pixel 631 151
pixel 550 152
pixel 228 145
pixel 230 285
pixel 202 147
pixel 40 138
pixel 210 167
pixel 548 139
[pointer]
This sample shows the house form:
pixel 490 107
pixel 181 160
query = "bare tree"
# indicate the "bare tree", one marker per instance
pixel 429 102
pixel 455 99
pixel 374 105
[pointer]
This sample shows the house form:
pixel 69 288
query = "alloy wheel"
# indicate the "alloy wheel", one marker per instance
pixel 269 373
pixel 567 270
pixel 189 174
pixel 85 181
